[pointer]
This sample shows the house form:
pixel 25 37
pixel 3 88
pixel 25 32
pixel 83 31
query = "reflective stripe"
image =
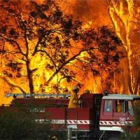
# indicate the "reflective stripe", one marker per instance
pixel 55 121
pixel 78 122
pixel 110 123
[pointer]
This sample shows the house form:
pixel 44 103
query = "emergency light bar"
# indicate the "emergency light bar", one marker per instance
pixel 27 95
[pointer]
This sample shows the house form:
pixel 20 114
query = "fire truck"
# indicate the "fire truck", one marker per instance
pixel 96 116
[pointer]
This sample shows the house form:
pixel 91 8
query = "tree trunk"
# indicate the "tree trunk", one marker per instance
pixel 30 79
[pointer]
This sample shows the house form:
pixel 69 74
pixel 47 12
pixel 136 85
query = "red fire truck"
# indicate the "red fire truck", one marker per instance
pixel 98 116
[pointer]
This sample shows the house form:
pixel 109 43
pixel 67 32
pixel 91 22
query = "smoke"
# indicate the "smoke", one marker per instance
pixel 89 10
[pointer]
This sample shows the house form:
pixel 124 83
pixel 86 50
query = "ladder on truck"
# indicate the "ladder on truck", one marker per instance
pixel 40 95
pixel 72 134
pixel 75 135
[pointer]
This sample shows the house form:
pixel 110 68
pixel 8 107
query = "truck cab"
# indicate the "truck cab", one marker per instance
pixel 116 111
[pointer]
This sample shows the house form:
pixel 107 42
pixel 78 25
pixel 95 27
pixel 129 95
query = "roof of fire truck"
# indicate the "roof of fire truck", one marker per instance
pixel 121 96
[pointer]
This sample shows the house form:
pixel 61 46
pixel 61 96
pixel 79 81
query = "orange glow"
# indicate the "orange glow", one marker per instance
pixel 74 7
pixel 125 16
pixel 93 13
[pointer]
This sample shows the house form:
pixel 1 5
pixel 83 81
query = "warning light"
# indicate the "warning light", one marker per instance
pixel 106 92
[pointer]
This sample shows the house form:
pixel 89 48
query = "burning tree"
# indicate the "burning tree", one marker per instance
pixel 125 17
pixel 41 48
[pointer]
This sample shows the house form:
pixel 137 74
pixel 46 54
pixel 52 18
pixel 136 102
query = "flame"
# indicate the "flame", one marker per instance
pixel 125 14
pixel 93 13
pixel 40 77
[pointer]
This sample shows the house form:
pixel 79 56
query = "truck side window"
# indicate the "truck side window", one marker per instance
pixel 119 106
pixel 108 106
pixel 130 108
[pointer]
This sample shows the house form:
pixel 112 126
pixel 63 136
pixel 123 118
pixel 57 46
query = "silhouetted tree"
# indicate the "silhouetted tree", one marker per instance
pixel 39 43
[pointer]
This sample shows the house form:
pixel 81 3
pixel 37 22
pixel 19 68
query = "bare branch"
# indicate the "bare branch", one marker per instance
pixel 48 56
pixel 13 41
pixel 12 85
pixel 65 63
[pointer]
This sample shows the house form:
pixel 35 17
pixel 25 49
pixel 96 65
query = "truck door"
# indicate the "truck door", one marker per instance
pixel 122 113
pixel 119 113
